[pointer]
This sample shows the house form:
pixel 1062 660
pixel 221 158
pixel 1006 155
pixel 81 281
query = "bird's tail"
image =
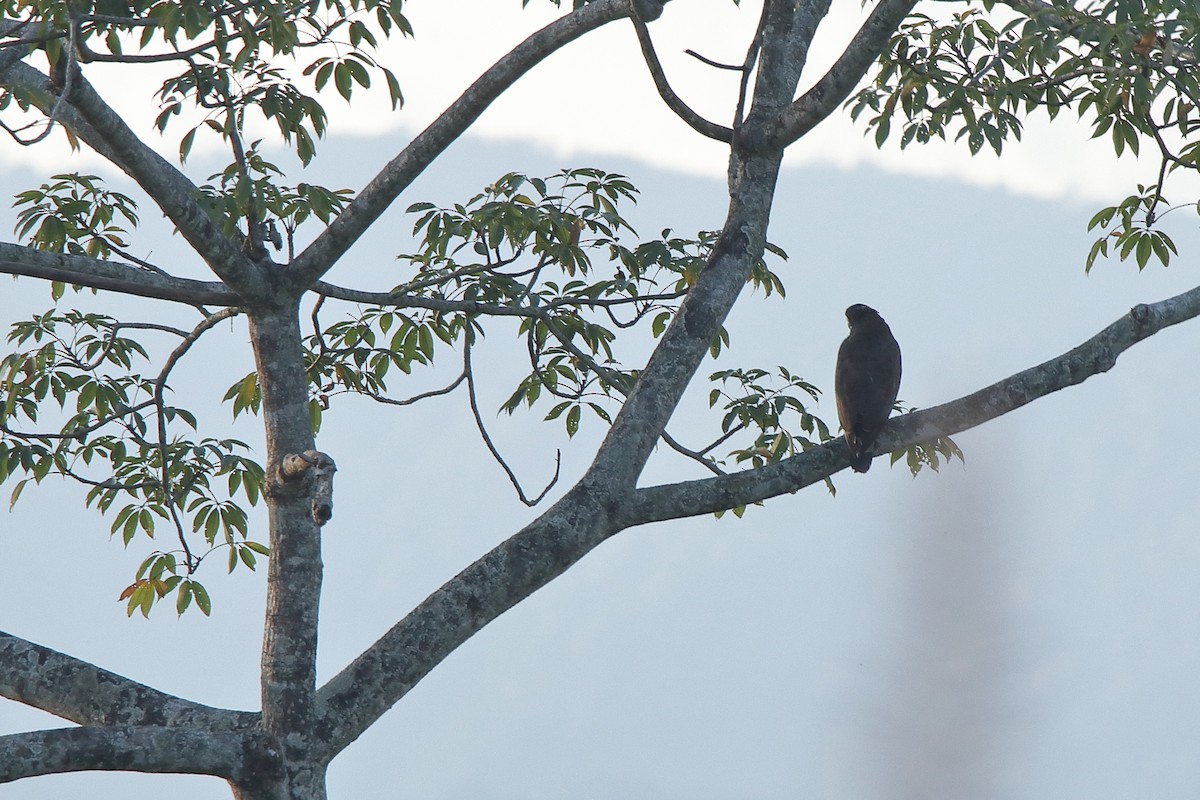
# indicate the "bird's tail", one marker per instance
pixel 860 453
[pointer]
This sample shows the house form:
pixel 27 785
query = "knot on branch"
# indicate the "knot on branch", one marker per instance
pixel 320 467
pixel 1140 314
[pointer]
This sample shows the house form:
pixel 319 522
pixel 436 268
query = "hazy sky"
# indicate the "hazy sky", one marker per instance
pixel 1021 627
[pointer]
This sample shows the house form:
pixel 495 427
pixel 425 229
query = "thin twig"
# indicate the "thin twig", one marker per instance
pixel 416 398
pixel 160 385
pixel 669 96
pixel 488 441
pixel 748 69
pixel 711 63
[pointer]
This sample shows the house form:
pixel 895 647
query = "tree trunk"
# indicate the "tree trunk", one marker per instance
pixel 294 572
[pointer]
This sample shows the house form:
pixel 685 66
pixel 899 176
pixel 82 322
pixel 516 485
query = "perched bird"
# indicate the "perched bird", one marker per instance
pixel 866 381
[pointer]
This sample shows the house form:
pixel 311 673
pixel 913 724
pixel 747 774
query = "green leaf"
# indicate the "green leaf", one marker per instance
pixel 202 599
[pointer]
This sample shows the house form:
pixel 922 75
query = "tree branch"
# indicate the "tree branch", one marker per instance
pixel 86 694
pixel 358 695
pixel 239 757
pixel 14 74
pixel 584 516
pixel 1098 354
pixel 402 300
pixel 668 95
pixel 106 132
pixel 835 86
pixel 786 30
pixel 95 273
pixel 384 188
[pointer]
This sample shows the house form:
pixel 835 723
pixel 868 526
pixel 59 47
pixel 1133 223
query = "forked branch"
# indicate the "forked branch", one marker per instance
pixel 668 95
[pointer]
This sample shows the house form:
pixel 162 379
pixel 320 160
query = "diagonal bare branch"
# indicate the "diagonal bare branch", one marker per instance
pixel 86 694
pixel 94 273
pixel 384 188
pixel 106 132
pixel 358 695
pixel 587 515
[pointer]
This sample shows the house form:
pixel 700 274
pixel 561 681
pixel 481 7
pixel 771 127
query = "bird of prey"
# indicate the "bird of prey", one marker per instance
pixel 866 381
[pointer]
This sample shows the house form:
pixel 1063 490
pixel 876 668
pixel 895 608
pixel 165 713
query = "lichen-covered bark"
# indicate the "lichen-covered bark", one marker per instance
pixel 87 695
pixel 242 757
pixel 294 571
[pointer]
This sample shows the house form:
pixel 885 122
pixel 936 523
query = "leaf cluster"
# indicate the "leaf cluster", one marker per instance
pixel 75 404
pixel 1129 68
pixel 76 215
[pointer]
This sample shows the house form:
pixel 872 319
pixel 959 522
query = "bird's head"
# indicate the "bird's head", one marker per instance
pixel 859 313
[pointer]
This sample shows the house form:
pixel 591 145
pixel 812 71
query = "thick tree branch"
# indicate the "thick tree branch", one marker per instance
pixel 384 188
pixel 358 695
pixel 835 86
pixel 668 95
pixel 238 757
pixel 1098 354
pixel 14 74
pixel 786 32
pixel 95 273
pixel 83 693
pixel 168 187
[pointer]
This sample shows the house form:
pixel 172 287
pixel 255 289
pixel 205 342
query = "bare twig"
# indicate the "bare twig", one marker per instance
pixel 711 63
pixel 160 385
pixel 487 440
pixel 673 100
pixel 416 398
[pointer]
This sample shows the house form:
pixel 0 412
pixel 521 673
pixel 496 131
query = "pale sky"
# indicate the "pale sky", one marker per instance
pixel 596 97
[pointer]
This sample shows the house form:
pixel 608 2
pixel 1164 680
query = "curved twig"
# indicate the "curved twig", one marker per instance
pixel 487 440
pixel 416 398
pixel 160 386
pixel 673 100
pixel 711 63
